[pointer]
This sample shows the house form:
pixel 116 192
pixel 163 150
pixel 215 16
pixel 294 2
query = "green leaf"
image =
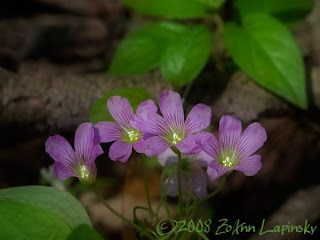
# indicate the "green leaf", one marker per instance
pixel 213 3
pixel 268 53
pixel 186 57
pixel 59 203
pixel 24 221
pixel 84 232
pixel 288 11
pixel 141 50
pixel 180 9
pixel 135 96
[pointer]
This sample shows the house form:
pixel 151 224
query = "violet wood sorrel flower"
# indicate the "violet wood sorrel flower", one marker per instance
pixel 193 177
pixel 123 133
pixel 80 162
pixel 170 129
pixel 234 150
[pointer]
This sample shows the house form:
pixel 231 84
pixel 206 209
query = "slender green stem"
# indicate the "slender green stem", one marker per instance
pixel 180 204
pixel 203 236
pixel 197 204
pixel 135 211
pixel 146 188
pixel 123 218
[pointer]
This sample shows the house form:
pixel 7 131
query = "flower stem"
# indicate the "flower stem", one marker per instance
pixel 180 211
pixel 123 218
pixel 146 188
pixel 197 204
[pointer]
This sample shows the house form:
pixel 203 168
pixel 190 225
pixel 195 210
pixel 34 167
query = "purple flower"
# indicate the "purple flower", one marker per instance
pixel 193 177
pixel 79 162
pixel 234 151
pixel 125 136
pixel 170 129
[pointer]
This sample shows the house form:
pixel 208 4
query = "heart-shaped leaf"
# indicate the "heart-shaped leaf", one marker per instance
pixel 170 8
pixel 141 50
pixel 184 58
pixel 288 11
pixel 37 212
pixel 84 232
pixel 268 53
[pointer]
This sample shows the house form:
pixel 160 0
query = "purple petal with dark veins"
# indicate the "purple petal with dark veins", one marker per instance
pixel 120 151
pixel 109 131
pixel 229 132
pixel 215 170
pixel 209 144
pixel 60 150
pixel 171 108
pixel 140 146
pixel 199 118
pixel 121 110
pixel 250 166
pixel 156 146
pixel 63 170
pixel 86 144
pixel 147 106
pixel 251 139
pixel 150 122
pixel 189 145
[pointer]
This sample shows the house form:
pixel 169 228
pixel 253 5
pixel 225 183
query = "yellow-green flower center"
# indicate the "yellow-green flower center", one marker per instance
pixel 228 159
pixel 131 135
pixel 173 137
pixel 84 175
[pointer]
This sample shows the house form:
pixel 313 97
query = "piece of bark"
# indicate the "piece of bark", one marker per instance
pixel 315 85
pixel 301 206
pixel 64 38
pixel 79 7
pixel 247 101
pixel 315 33
pixel 44 96
pixel 67 37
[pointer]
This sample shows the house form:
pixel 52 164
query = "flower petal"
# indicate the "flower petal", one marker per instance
pixel 140 146
pixel 189 145
pixel 199 180
pixel 229 132
pixel 250 165
pixel 109 131
pixel 63 171
pixel 167 157
pixel 172 186
pixel 215 170
pixel 156 146
pixel 199 118
pixel 186 184
pixel 96 149
pixel 252 139
pixel 149 122
pixel 202 159
pixel 147 106
pixel 86 143
pixel 60 150
pixel 121 110
pixel 92 169
pixel 209 144
pixel 120 151
pixel 171 108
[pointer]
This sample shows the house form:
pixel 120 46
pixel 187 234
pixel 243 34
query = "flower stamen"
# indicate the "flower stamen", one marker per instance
pixel 228 159
pixel 131 135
